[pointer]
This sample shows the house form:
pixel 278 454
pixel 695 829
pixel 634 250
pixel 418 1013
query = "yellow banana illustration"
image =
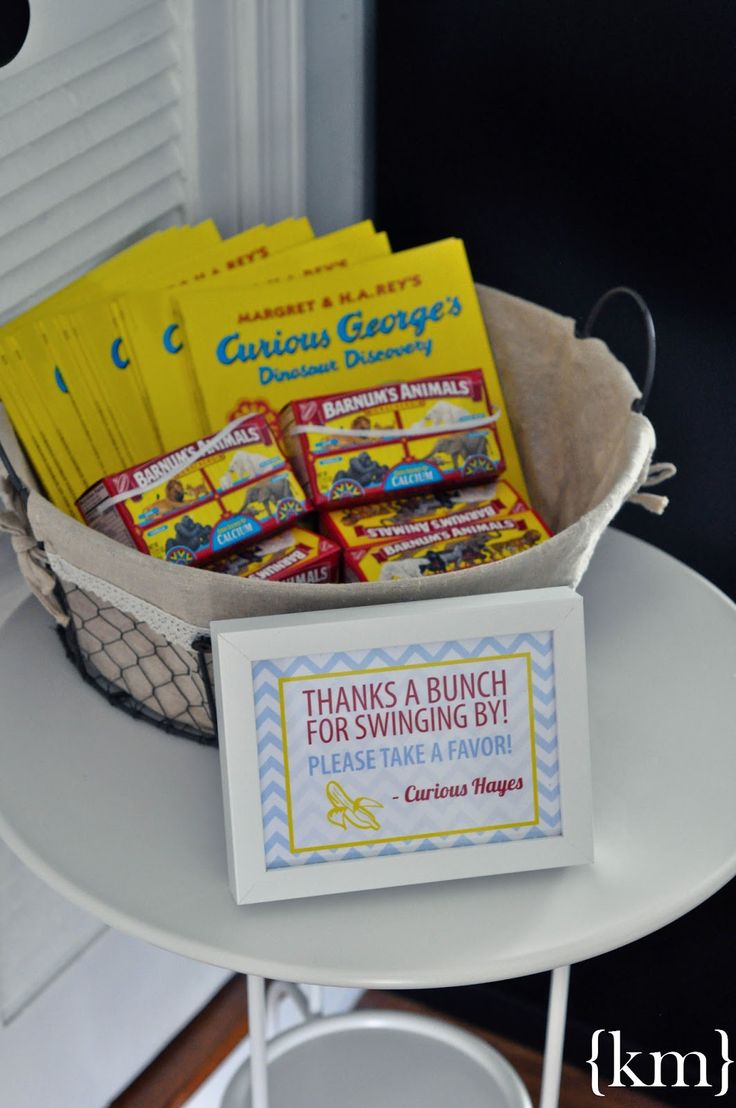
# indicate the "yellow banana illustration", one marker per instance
pixel 346 811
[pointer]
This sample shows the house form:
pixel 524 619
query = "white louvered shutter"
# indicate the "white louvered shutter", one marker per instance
pixel 96 132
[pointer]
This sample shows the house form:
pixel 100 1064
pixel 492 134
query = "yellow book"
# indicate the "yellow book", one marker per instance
pixel 144 256
pixel 155 342
pixel 102 430
pixel 57 423
pixel 141 418
pixel 410 315
pixel 49 394
pixel 143 260
pixel 309 260
pixel 102 338
pixel 92 349
pixel 33 439
pixel 236 254
pixel 348 245
pixel 42 383
pixel 100 352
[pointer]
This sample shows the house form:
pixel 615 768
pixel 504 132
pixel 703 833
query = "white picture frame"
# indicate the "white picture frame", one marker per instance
pixel 535 636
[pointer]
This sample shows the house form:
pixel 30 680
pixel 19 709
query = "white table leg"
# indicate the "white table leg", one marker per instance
pixel 277 993
pixel 555 1038
pixel 257 1034
pixel 316 1000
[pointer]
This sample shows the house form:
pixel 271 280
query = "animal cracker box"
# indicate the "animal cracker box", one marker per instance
pixel 296 555
pixel 393 439
pixel 426 514
pixel 192 504
pixel 456 546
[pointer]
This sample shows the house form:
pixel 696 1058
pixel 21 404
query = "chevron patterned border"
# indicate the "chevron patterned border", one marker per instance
pixel 273 786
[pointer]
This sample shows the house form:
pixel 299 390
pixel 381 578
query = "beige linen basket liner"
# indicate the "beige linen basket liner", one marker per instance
pixel 138 627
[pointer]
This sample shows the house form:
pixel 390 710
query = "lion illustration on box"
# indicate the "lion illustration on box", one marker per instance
pixel 243 467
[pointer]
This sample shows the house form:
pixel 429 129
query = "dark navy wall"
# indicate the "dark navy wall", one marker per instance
pixel 576 145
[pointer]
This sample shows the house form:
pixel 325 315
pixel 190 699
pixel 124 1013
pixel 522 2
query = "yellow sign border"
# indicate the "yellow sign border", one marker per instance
pixel 398 669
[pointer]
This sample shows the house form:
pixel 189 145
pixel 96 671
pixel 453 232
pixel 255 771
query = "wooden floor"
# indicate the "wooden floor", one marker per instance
pixel 182 1067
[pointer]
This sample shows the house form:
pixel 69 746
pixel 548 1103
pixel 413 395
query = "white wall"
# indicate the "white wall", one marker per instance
pixel 339 44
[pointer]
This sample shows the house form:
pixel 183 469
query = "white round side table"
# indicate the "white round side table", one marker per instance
pixel 127 821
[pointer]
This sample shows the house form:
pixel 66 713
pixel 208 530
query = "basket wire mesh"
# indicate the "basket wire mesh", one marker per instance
pixel 137 669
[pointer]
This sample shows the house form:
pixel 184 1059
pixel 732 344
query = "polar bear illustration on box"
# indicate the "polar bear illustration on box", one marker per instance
pixel 243 466
pixel 442 414
pixel 403 569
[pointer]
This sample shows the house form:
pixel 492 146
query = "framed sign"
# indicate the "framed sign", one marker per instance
pixel 403 743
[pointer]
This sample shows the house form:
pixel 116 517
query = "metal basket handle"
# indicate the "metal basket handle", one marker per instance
pixel 17 484
pixel 640 403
